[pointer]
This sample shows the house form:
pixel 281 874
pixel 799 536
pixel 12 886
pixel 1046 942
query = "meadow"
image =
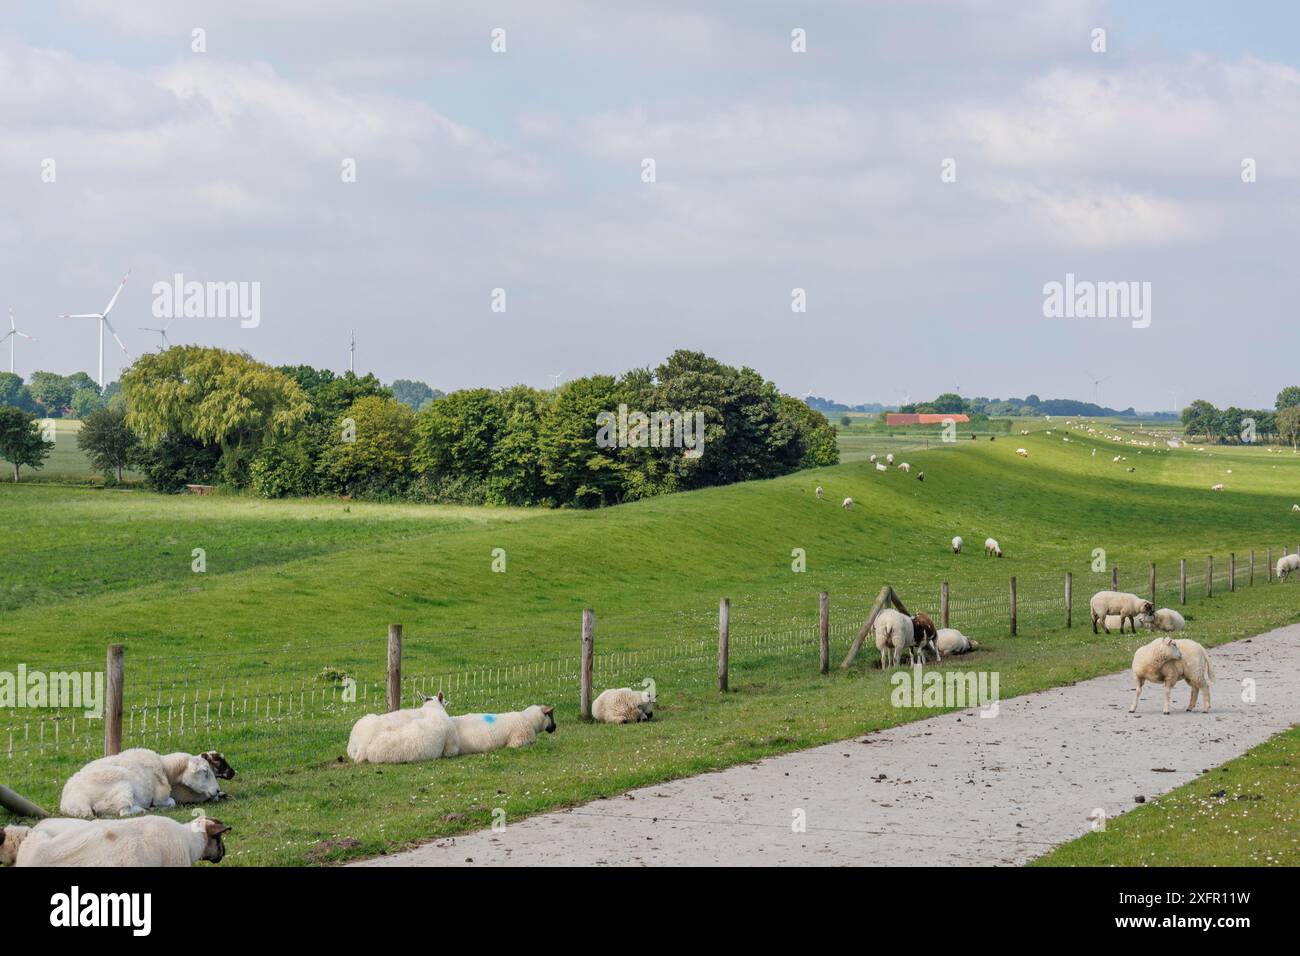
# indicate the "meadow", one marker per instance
pixel 249 655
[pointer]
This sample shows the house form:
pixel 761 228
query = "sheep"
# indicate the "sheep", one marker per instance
pixel 893 636
pixel 1218 487
pixel 481 733
pixel 623 706
pixel 991 546
pixel 956 545
pixel 924 633
pixel 121 785
pixel 192 778
pixel 1127 606
pixel 147 841
pixel 881 467
pixel 404 736
pixel 949 640
pixel 1023 453
pixel 1295 507
pixel 889 459
pixel 847 504
pixel 819 492
pixel 873 458
pixel 1156 662
pixel 1286 565
pixel 904 467
pixel 1167 619
pixel 1195 668
pixel 920 476
pixel 1115 621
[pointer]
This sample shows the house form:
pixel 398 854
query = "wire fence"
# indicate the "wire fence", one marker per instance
pixel 283 707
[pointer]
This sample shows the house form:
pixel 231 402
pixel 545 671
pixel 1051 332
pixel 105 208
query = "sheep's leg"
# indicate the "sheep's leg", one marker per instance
pixel 1168 688
pixel 1206 691
pixel 1191 704
pixel 1136 694
pixel 1094 624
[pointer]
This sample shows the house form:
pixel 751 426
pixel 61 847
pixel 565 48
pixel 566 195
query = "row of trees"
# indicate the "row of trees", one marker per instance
pixel 203 415
pixel 50 395
pixel 1029 406
pixel 1234 425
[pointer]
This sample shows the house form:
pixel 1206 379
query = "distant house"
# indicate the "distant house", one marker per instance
pixel 925 418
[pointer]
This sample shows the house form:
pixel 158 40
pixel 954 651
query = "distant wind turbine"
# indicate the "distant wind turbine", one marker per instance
pixel 102 318
pixel 165 342
pixel 12 336
pixel 555 379
pixel 1096 387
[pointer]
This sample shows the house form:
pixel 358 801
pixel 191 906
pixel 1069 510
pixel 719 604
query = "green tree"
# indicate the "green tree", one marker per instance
pixel 412 393
pixel 372 443
pixel 1288 424
pixel 20 440
pixel 1289 397
pixel 212 396
pixel 455 435
pixel 575 469
pixel 51 392
pixel 85 401
pixel 108 441
pixel 949 403
pixel 1200 417
pixel 13 392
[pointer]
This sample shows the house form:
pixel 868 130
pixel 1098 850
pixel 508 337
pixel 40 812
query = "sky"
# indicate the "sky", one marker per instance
pixel 922 170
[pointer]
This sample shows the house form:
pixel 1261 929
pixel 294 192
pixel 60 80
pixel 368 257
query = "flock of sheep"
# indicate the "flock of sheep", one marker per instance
pixel 103 802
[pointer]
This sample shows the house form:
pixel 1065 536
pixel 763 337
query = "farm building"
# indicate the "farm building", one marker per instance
pixel 924 418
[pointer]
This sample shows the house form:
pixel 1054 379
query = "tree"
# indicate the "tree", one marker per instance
pixel 1288 397
pixel 51 392
pixel 1288 424
pixel 371 445
pixel 949 403
pixel 213 396
pixel 14 392
pixel 1200 417
pixel 846 421
pixel 455 435
pixel 20 440
pixel 85 401
pixel 414 394
pixel 108 441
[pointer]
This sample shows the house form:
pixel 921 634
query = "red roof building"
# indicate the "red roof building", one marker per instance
pixel 925 418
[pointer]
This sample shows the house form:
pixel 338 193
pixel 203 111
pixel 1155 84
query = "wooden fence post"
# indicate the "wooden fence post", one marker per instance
pixel 1232 571
pixel 1114 579
pixel 1182 580
pixel 19 805
pixel 1153 584
pixel 394 667
pixel 1252 567
pixel 1013 605
pixel 824 630
pixel 724 638
pixel 114 680
pixel 1268 566
pixel 588 662
pixel 1069 599
pixel 945 598
pixel 1209 575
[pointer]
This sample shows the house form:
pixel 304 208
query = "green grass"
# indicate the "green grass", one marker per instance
pixel 292 588
pixel 1244 813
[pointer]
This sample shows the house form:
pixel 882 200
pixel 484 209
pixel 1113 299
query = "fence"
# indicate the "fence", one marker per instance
pixel 287 706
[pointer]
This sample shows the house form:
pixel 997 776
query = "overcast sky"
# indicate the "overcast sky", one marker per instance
pixel 775 170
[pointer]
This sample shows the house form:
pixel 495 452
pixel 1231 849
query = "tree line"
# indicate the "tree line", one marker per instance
pixel 1234 425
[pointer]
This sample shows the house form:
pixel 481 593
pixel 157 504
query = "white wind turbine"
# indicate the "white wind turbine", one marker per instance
pixel 555 379
pixel 165 342
pixel 103 321
pixel 12 336
pixel 1096 387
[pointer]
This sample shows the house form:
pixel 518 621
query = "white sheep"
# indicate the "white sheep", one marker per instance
pixel 1287 565
pixel 1157 662
pixel 404 736
pixel 1195 668
pixel 1294 507
pixel 194 779
pixel 1167 619
pixel 847 505
pixel 880 466
pixel 889 459
pixel 1116 622
pixel 1127 606
pixel 121 785
pixel 623 705
pixel 952 641
pixel 481 733
pixel 147 841
pixel 894 635
pixel 1218 487
pixel 956 544
pixel 904 467
pixel 819 492
pixel 1023 453
pixel 992 547
pixel 873 458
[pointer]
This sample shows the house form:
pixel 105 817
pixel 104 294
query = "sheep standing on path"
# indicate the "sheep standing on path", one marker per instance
pixel 481 733
pixel 1286 566
pixel 623 705
pixel 146 841
pixel 1157 662
pixel 893 636
pixel 1196 669
pixel 1127 606
pixel 404 736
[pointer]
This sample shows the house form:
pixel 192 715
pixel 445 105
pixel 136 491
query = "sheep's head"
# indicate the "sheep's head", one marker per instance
pixel 1148 608
pixel 198 776
pixel 436 702
pixel 215 849
pixel 549 714
pixel 647 704
pixel 11 838
pixel 219 765
pixel 1169 648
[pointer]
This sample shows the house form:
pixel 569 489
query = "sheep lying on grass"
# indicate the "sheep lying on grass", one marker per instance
pixel 1168 661
pixel 880 466
pixel 623 705
pixel 1023 453
pixel 1167 619
pixel 1115 622
pixel 404 736
pixel 1218 487
pixel 190 782
pixel 991 546
pixel 1287 565
pixel 893 636
pixel 147 841
pixel 956 545
pixel 949 640
pixel 481 733
pixel 1127 606
pixel 135 780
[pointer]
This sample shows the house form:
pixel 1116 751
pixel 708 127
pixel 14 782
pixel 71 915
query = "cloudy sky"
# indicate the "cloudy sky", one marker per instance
pixel 775 170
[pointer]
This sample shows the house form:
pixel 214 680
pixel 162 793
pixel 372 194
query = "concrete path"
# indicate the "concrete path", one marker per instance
pixel 952 790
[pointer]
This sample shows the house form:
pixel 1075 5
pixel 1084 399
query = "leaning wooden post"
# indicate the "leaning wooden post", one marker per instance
pixel 1069 599
pixel 945 599
pixel 824 630
pixel 588 658
pixel 114 679
pixel 19 805
pixel 394 667
pixel 1209 575
pixel 1013 605
pixel 863 631
pixel 1182 580
pixel 1114 579
pixel 724 638
pixel 1232 571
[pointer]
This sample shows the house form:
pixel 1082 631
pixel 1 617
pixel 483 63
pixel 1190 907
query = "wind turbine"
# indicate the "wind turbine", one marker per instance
pixel 1096 387
pixel 12 336
pixel 555 379
pixel 103 321
pixel 166 342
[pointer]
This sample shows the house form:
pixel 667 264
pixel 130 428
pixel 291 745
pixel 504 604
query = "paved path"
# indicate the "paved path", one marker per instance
pixel 950 790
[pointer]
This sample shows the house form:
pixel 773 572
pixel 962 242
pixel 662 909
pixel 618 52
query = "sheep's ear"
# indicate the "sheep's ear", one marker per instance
pixel 548 711
pixel 215 828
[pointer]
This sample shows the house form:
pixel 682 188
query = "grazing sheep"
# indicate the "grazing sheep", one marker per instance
pixel 920 476
pixel 904 467
pixel 881 467
pixel 893 636
pixel 481 733
pixel 623 706
pixel 1022 452
pixel 873 459
pixel 121 785
pixel 1295 507
pixel 924 634
pixel 147 841
pixel 1127 606
pixel 889 458
pixel 1218 487
pixel 819 492
pixel 848 504
pixel 991 546
pixel 1195 668
pixel 1286 565
pixel 950 641
pixel 404 736
pixel 1156 662
pixel 956 545
pixel 1167 619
